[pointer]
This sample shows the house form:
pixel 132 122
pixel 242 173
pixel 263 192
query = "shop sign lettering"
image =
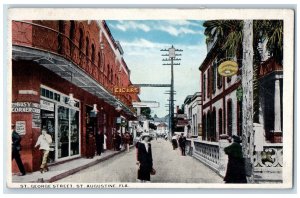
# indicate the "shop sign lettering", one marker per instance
pixel 49 106
pixel 25 107
pixel 127 90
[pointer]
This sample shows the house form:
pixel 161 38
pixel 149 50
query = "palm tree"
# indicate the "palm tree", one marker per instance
pixel 229 37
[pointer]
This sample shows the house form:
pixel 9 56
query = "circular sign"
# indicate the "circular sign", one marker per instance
pixel 228 68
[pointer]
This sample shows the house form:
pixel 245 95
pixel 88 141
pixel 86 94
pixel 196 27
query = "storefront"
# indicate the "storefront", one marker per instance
pixel 62 122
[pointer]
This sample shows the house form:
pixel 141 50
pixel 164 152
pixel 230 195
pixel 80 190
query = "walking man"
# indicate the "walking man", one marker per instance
pixel 44 142
pixel 182 141
pixel 16 147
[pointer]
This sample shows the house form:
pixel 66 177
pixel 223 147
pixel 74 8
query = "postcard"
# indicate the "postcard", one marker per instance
pixel 150 98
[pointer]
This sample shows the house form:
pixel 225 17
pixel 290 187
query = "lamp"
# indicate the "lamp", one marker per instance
pixel 71 100
pixel 95 110
pixel 118 108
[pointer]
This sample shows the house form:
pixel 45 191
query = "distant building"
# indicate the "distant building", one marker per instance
pixel 192 108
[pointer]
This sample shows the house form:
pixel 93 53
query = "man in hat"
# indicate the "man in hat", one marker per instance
pixel 44 141
pixel 16 147
pixel 144 158
pixel 236 165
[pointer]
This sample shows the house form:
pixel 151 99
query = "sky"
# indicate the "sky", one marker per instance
pixel 142 41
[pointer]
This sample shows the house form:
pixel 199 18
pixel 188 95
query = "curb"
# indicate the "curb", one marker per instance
pixel 75 170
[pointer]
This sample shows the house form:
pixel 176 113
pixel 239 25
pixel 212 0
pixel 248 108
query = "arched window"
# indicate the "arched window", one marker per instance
pixel 71 36
pixel 87 47
pixel 93 53
pixel 220 121
pixel 208 125
pixel 229 117
pixel 61 29
pixel 107 71
pixel 204 86
pixel 111 75
pixel 214 125
pixel 204 126
pixel 214 74
pixel 99 60
pixel 80 39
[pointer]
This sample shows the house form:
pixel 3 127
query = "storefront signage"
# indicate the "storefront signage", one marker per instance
pixel 21 127
pixel 49 106
pixel 26 107
pixel 127 90
pixel 228 68
pixel 36 120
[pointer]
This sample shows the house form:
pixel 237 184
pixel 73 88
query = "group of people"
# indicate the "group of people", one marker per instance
pixel 179 141
pixel 235 172
pixel 120 140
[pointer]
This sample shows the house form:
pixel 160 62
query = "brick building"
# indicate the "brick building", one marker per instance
pixel 61 71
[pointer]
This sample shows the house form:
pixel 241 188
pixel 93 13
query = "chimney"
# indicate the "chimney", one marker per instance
pixel 177 109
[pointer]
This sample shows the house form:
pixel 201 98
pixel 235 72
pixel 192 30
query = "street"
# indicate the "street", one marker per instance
pixel 170 167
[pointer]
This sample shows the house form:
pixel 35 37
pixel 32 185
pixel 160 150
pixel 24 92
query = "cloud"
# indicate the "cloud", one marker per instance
pixel 131 25
pixel 175 31
pixel 172 27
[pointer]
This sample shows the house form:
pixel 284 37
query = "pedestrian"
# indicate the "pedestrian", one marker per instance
pixel 99 142
pixel 44 141
pixel 115 141
pixel 118 141
pixel 182 142
pixel 235 172
pixel 16 148
pixel 104 142
pixel 174 142
pixel 144 158
pixel 126 141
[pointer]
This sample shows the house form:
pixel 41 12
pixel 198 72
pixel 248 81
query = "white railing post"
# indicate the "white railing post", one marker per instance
pixel 223 158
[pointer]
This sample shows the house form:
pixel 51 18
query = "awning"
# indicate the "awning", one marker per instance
pixel 69 71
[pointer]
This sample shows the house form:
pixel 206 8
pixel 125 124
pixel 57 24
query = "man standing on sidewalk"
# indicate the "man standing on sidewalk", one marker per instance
pixel 44 142
pixel 16 147
pixel 182 141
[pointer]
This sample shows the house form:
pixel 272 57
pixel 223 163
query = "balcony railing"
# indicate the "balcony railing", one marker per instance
pixel 43 38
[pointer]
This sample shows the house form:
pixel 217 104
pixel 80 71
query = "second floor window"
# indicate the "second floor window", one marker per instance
pixel 87 47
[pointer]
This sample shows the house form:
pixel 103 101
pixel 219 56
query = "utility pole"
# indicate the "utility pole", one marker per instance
pixel 247 85
pixel 172 57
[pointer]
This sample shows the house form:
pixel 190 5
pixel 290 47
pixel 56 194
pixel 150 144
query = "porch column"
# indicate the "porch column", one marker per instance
pixel 277 107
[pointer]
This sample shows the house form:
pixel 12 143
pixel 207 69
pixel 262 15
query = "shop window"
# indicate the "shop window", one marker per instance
pixel 63 132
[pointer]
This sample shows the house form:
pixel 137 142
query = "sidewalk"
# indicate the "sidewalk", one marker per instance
pixel 59 171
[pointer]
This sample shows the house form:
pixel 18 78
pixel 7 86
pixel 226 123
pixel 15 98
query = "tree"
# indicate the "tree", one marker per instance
pixel 146 111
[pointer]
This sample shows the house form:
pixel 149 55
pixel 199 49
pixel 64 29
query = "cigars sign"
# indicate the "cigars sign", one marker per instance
pixel 126 90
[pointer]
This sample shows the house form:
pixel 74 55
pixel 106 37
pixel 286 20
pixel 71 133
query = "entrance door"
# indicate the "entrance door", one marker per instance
pixel 48 123
pixel 63 132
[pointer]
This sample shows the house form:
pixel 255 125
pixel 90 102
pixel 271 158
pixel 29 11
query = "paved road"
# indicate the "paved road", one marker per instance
pixel 171 167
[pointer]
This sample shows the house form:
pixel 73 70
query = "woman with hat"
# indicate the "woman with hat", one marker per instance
pixel 144 158
pixel 236 165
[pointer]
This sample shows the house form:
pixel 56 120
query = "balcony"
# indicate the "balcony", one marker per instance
pixel 58 53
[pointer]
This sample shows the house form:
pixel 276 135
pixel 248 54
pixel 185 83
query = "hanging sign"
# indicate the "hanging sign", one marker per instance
pixel 127 90
pixel 228 68
pixel 49 106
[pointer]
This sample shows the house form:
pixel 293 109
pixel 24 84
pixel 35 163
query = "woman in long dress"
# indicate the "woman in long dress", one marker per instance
pixel 144 158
